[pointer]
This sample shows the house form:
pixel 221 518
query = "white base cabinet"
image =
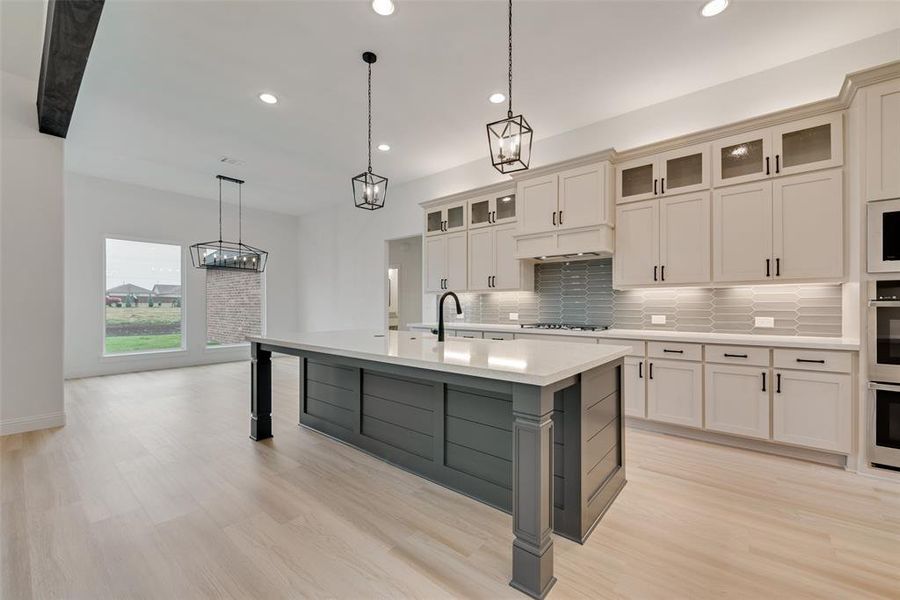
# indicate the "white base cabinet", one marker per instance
pixel 675 392
pixel 812 409
pixel 635 396
pixel 737 400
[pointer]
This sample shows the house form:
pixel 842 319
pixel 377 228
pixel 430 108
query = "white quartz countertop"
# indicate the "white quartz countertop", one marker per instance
pixel 532 362
pixel 739 339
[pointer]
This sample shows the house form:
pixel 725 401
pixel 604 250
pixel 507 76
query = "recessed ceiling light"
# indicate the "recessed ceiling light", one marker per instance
pixel 384 147
pixel 497 98
pixel 713 7
pixel 268 98
pixel 383 7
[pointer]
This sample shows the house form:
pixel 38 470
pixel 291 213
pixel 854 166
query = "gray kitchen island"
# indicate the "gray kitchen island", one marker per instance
pixel 534 428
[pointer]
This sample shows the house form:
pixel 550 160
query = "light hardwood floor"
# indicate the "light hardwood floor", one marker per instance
pixel 154 490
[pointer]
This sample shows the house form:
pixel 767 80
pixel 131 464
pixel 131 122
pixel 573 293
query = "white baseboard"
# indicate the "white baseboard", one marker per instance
pixel 23 424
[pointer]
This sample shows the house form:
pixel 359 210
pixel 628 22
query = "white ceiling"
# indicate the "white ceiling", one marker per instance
pixel 172 86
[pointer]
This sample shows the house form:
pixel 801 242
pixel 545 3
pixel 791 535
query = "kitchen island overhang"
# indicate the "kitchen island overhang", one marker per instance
pixel 531 427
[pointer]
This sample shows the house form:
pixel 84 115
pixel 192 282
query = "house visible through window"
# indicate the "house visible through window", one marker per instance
pixel 234 306
pixel 143 297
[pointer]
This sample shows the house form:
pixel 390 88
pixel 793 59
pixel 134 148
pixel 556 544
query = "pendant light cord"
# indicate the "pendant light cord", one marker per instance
pixel 240 217
pixel 370 117
pixel 220 212
pixel 509 96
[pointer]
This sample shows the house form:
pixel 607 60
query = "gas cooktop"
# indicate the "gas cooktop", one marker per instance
pixel 566 326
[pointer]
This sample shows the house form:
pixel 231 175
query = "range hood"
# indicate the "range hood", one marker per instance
pixel 584 243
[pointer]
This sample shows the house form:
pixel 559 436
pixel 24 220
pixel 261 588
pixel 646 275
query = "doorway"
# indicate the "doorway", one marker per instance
pixel 404 283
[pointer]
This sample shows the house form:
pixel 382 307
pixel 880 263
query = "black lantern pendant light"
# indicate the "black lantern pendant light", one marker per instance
pixel 510 138
pixel 220 254
pixel 369 189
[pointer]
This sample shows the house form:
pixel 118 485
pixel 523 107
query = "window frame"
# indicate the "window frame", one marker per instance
pixel 183 349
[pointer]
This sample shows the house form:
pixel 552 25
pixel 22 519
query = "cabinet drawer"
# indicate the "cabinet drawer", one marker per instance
pixel 498 335
pixel 674 350
pixel 738 355
pixel 555 338
pixel 637 346
pixel 465 333
pixel 813 360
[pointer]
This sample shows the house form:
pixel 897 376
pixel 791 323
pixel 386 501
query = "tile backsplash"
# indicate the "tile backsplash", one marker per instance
pixel 581 292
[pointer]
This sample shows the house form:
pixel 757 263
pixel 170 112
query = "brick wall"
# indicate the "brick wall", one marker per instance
pixel 233 305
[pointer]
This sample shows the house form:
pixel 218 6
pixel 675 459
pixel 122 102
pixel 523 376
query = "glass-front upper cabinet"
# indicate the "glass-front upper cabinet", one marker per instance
pixel 493 209
pixel 810 144
pixel 684 170
pixel 637 180
pixel 742 158
pixel 444 219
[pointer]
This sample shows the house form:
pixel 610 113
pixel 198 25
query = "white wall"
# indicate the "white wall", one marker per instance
pixel 31 265
pixel 347 244
pixel 97 208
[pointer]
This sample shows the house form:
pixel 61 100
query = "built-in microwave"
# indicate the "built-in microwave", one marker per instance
pixel 884 236
pixel 884 331
pixel 884 424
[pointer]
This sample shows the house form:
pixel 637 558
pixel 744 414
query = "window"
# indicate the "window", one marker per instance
pixel 234 306
pixel 143 297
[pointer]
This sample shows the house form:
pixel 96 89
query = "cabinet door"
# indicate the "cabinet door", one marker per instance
pixel 582 197
pixel 434 221
pixel 480 212
pixel 637 243
pixel 538 204
pixel 808 226
pixel 482 260
pixel 684 239
pixel 812 409
pixel 742 158
pixel 637 180
pixel 883 140
pixel 455 217
pixel 737 399
pixel 435 263
pixel 810 144
pixel 635 398
pixel 684 170
pixel 457 261
pixel 675 392
pixel 742 233
pixel 504 208
pixel 508 269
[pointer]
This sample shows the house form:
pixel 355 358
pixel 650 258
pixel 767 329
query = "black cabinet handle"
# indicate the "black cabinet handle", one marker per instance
pixel 768 269
pixel 651 370
pixel 809 360
pixel 654 187
pixel 554 218
pixel 662 185
pixel 499 339
pixel 662 272
pixel 655 268
pixel 641 370
pixel 489 281
pixel 735 355
pixel 764 381
pixel 767 166
pixel 560 217
pixel 777 164
pixel 777 267
pixel 673 351
pixel 778 383
pixel 493 281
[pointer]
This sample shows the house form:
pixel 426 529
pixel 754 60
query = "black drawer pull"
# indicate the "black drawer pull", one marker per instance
pixel 673 351
pixel 764 381
pixel 809 360
pixel 778 383
pixel 641 370
pixel 735 355
pixel 499 339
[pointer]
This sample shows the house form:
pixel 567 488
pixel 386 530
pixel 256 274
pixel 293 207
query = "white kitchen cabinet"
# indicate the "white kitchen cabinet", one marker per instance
pixel 737 400
pixel 675 172
pixel 684 240
pixel 492 209
pixel 636 259
pixel 663 241
pixel 635 396
pixel 882 164
pixel 538 204
pixel 445 262
pixel 445 219
pixel 742 232
pixel 582 197
pixel 482 260
pixel 808 226
pixel 493 265
pixel 675 392
pixel 786 149
pixel 812 409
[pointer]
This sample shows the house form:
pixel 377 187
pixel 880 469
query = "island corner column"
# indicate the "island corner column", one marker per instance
pixel 532 502
pixel 260 392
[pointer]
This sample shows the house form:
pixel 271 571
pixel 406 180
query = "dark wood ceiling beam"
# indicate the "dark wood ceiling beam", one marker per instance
pixel 68 37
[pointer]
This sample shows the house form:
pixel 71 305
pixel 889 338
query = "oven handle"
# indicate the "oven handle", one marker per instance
pixel 885 387
pixel 877 303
